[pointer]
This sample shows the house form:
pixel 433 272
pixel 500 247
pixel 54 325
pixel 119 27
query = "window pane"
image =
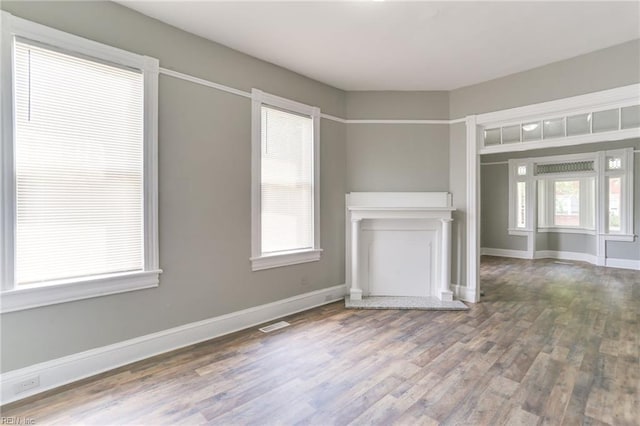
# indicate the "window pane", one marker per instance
pixel 511 134
pixel 522 170
pixel 605 120
pixel 531 132
pixel 614 195
pixel 287 181
pixel 578 124
pixel 522 205
pixel 79 166
pixel 492 137
pixel 630 117
pixel 553 128
pixel 567 203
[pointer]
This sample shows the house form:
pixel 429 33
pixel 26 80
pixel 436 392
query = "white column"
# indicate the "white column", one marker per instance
pixel 355 292
pixel 445 293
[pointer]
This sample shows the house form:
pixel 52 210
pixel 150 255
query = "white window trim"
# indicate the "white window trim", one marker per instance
pixel 14 299
pixel 550 201
pixel 600 173
pixel 514 179
pixel 258 260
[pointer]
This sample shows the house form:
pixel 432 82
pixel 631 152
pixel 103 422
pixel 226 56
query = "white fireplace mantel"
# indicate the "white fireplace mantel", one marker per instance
pixel 399 227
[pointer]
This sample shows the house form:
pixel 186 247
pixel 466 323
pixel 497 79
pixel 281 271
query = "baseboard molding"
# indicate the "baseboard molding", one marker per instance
pixel 623 264
pixel 518 254
pixel 566 255
pixel 464 293
pixel 71 368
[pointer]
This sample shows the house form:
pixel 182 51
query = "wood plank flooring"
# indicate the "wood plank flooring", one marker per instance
pixel 549 344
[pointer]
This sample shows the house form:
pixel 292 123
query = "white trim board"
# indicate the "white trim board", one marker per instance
pixel 563 255
pixel 623 264
pixel 517 254
pixel 244 94
pixel 78 366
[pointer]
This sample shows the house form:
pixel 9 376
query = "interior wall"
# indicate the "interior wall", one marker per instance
pixel 600 70
pixel 204 192
pixel 494 207
pixel 397 157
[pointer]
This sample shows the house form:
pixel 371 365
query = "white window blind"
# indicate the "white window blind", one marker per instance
pixel 286 181
pixel 79 166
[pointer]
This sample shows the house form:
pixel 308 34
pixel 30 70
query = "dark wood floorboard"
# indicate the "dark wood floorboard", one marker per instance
pixel 550 343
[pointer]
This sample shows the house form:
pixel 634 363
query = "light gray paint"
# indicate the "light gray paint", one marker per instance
pixel 604 69
pixel 397 157
pixel 495 191
pixel 205 173
pixel 204 192
pixel 495 210
pixel 398 105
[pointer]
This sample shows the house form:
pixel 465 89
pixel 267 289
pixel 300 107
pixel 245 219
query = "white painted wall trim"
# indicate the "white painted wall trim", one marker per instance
pixel 464 293
pixel 384 121
pixel 562 255
pixel 623 264
pixel 245 94
pixel 71 368
pixel 517 254
pixel 590 102
pixel 566 255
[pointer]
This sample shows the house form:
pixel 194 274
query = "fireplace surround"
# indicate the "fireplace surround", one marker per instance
pixel 399 244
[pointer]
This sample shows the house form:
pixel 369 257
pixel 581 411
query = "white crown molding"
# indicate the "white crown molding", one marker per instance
pixel 71 368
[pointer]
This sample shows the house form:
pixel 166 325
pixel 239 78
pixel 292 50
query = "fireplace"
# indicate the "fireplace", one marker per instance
pixel 398 244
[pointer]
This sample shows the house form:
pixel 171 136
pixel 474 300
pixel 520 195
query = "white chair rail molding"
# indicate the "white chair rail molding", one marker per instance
pixel 398 244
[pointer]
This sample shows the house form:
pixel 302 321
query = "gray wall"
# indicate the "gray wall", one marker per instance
pixel 205 173
pixel 494 207
pixel 495 193
pixel 204 190
pixel 604 69
pixel 397 157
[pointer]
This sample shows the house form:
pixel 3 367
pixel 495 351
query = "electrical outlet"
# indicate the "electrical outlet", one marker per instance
pixel 25 385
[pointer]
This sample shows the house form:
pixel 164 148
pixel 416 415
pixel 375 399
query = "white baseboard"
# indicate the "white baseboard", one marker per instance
pixel 71 368
pixel 566 255
pixel 518 254
pixel 464 293
pixel 561 255
pixel 623 264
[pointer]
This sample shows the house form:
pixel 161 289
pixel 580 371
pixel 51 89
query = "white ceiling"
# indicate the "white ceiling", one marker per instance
pixel 393 45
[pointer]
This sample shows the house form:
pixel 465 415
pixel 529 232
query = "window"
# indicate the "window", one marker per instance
pixel 518 194
pixel 569 192
pixel 568 203
pixel 79 199
pixel 285 193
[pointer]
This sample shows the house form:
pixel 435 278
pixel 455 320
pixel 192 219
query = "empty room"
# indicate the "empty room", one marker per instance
pixel 320 213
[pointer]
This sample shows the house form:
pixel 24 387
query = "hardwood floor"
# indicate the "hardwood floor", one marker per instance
pixel 550 343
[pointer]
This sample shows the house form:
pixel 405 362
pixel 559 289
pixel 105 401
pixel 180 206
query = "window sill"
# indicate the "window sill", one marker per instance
pixel 521 232
pixel 42 295
pixel 285 259
pixel 569 230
